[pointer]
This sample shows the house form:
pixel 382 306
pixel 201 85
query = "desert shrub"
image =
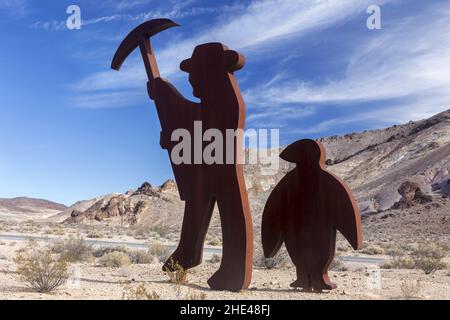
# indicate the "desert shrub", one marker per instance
pixel 95 234
pixel 100 252
pixel 399 259
pixel 214 242
pixel 161 229
pixel 139 293
pixel 337 264
pixel 179 275
pixel 372 250
pixel 428 258
pixel 278 261
pixel 140 233
pixel 399 263
pixel 73 249
pixel 215 258
pixel 135 256
pixel 410 290
pixel 140 257
pixel 40 271
pixel 3 257
pixel 115 259
pixel 196 296
pixel 159 250
pixel 2 243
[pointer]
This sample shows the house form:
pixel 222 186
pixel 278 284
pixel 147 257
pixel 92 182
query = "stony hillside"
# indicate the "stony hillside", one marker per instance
pixel 20 209
pixel 414 156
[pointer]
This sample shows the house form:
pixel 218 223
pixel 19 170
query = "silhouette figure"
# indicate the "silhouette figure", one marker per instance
pixel 304 211
pixel 201 185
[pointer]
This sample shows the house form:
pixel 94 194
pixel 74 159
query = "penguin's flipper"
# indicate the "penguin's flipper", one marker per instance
pixel 273 221
pixel 347 216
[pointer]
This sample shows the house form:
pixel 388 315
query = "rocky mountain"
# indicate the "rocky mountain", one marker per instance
pixel 397 167
pixel 20 209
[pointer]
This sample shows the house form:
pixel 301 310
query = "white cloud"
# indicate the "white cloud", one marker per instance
pixel 409 63
pixel 261 23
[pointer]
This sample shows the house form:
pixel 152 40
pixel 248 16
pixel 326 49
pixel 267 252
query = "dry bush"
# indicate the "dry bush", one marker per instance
pixel 115 259
pixel 139 293
pixel 214 242
pixel 140 257
pixel 410 290
pixel 337 264
pixel 215 258
pixel 179 276
pixel 399 259
pixel 73 249
pixel 159 250
pixel 40 271
pixel 428 258
pixel 196 296
pixel 161 229
pixel 135 256
pixel 278 261
pixel 95 234
pixel 372 250
pixel 100 252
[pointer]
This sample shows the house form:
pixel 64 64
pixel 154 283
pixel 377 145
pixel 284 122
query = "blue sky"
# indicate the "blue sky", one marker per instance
pixel 72 129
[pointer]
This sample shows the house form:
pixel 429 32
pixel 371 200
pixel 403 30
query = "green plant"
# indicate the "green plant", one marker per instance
pixel 139 293
pixel 40 271
pixel 115 259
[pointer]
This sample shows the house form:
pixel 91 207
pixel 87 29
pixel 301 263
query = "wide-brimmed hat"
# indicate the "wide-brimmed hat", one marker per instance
pixel 214 54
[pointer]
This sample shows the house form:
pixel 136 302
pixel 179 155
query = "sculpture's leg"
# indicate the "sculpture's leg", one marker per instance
pixel 321 281
pixel 303 280
pixel 197 215
pixel 235 271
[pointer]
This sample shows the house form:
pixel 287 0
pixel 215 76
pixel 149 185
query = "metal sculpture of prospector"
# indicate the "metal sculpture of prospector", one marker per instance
pixel 210 69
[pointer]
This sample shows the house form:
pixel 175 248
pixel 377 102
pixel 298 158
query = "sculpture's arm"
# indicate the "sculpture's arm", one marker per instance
pixel 347 216
pixel 273 220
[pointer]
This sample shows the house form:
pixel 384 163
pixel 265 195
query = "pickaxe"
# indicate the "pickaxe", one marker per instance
pixel 140 37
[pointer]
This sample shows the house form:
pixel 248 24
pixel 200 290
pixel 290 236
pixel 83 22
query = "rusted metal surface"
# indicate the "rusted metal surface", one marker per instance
pixel 304 211
pixel 221 107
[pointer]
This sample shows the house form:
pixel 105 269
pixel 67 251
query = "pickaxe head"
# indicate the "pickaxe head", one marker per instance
pixel 135 38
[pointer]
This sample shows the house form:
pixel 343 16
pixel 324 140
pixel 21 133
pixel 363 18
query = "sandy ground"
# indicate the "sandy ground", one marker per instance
pixel 95 282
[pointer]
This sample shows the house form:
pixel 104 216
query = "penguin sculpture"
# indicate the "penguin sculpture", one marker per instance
pixel 304 211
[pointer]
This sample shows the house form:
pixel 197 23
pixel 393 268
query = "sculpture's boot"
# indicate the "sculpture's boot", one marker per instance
pixel 189 252
pixel 235 271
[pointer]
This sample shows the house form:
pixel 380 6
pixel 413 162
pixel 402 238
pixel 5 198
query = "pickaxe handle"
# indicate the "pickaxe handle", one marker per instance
pixel 151 67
